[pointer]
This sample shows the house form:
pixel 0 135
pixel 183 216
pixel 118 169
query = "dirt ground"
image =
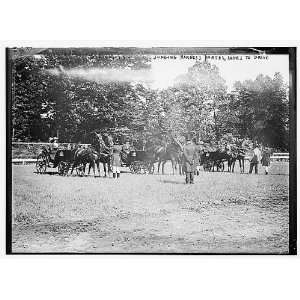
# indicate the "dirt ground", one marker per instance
pixel 220 213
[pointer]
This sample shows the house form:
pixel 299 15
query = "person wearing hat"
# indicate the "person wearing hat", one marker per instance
pixel 199 148
pixel 189 160
pixel 255 159
pixel 55 143
pixel 266 159
pixel 126 147
pixel 116 159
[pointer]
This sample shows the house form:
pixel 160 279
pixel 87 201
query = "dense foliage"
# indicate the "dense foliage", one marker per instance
pixel 48 101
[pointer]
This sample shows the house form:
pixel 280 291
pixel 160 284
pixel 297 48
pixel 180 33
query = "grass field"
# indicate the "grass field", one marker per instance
pixel 220 213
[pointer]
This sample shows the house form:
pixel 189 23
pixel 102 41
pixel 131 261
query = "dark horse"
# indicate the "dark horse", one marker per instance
pixel 170 151
pixel 101 153
pixel 82 157
pixel 238 154
pixel 213 159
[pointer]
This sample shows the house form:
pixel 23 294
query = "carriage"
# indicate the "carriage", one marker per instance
pixel 211 156
pixel 208 162
pixel 61 159
pixel 138 162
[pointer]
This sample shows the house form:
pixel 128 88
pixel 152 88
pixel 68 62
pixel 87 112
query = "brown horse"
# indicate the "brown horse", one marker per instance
pixel 239 155
pixel 101 153
pixel 82 157
pixel 171 151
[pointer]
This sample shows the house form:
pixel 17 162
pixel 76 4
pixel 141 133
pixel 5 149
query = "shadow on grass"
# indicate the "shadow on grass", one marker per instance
pixel 46 173
pixel 171 181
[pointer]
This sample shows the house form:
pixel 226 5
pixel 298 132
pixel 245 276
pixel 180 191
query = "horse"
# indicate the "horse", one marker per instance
pixel 240 156
pixel 172 152
pixel 216 159
pixel 102 154
pixel 82 157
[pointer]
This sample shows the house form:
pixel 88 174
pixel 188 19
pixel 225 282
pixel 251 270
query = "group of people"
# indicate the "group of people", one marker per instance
pixel 190 159
pixel 262 156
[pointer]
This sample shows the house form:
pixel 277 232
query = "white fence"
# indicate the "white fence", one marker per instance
pixel 23 161
pixel 43 144
pixel 25 152
pixel 280 157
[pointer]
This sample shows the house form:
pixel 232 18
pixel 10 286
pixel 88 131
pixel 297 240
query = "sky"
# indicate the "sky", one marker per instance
pixel 164 71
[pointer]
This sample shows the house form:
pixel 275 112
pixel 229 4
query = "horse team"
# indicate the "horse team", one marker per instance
pixel 100 152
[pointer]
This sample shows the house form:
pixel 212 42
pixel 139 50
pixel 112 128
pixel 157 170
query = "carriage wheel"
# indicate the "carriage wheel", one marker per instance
pixel 206 166
pixel 131 168
pixel 135 168
pixel 150 169
pixel 41 164
pixel 144 169
pixel 220 166
pixel 80 170
pixel 63 168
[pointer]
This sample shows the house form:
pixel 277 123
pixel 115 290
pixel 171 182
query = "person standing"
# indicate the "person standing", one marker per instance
pixel 256 158
pixel 116 159
pixel 189 160
pixel 265 160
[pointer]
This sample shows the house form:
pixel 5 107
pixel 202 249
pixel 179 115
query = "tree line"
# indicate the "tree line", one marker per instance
pixel 49 103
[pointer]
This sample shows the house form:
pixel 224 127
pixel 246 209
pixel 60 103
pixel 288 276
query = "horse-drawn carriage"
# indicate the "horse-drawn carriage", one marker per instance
pixel 138 161
pixel 212 157
pixel 61 159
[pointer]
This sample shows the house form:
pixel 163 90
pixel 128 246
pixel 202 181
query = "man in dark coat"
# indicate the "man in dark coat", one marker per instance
pixel 189 160
pixel 266 159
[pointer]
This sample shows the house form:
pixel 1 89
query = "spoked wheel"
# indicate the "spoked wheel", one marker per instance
pixel 220 166
pixel 135 167
pixel 63 168
pixel 80 170
pixel 131 168
pixel 207 166
pixel 150 168
pixel 144 169
pixel 41 164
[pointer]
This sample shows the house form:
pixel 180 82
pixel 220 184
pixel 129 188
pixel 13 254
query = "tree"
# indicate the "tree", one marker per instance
pixel 261 108
pixel 192 105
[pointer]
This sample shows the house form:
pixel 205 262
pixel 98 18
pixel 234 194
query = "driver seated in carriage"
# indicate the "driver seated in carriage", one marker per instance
pixel 53 147
pixel 127 147
pixel 55 143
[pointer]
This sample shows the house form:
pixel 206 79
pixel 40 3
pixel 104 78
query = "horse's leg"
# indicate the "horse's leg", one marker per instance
pixel 163 167
pixel 242 164
pixel 92 164
pixel 232 165
pixel 104 169
pixel 73 165
pixel 173 166
pixel 98 167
